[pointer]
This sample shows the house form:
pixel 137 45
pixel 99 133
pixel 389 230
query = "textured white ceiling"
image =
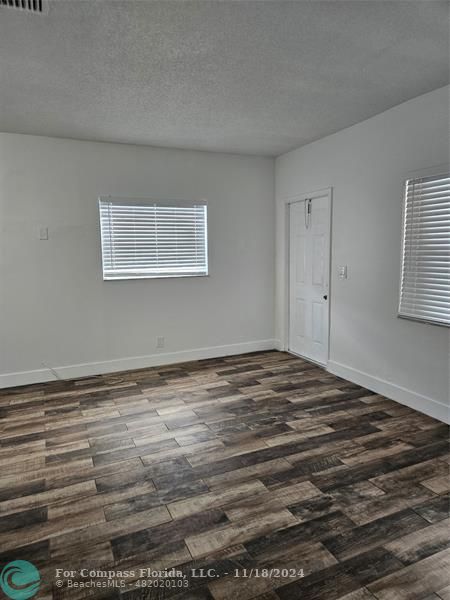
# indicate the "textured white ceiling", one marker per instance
pixel 257 77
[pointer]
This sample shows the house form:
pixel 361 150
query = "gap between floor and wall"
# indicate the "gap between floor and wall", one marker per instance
pixel 52 373
pixel 423 404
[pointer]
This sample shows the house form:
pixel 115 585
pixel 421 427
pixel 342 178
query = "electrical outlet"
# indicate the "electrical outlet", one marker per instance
pixel 43 233
pixel 160 342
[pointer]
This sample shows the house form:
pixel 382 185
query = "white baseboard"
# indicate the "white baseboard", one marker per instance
pixel 424 404
pixel 429 406
pixel 129 363
pixel 279 346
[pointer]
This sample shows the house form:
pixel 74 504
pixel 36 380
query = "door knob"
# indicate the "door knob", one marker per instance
pixel 325 297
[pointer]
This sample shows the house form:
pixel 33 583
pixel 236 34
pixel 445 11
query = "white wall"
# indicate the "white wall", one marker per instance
pixel 56 309
pixel 366 166
pixel 54 306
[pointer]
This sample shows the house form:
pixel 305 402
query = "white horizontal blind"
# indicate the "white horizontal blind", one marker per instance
pixel 144 240
pixel 425 284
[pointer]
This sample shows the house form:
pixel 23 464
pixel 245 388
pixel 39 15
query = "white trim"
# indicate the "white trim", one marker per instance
pixel 288 200
pixel 424 404
pixel 131 362
pixel 310 360
pixel 302 195
pixel 278 345
pixel 439 321
pixel 111 274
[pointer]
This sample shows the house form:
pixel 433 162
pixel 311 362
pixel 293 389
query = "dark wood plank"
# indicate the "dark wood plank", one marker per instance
pixel 361 539
pixel 260 460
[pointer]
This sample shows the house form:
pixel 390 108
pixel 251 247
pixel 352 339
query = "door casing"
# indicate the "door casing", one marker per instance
pixel 327 192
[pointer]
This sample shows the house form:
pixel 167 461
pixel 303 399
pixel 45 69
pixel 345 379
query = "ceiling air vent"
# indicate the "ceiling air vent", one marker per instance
pixel 34 6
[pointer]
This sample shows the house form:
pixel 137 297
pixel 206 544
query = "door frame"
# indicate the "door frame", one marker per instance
pixel 328 192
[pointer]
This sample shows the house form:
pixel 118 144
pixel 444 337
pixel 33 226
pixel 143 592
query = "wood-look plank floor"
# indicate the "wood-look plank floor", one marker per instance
pixel 246 462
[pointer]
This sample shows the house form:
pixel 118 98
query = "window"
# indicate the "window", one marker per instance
pixel 143 239
pixel 425 284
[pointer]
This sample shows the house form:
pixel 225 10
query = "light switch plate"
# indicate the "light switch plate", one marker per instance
pixel 342 270
pixel 43 233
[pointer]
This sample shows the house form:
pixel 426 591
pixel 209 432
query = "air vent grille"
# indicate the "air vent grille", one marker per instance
pixel 35 6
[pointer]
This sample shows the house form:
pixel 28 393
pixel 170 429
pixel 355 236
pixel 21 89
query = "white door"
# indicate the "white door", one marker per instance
pixel 309 272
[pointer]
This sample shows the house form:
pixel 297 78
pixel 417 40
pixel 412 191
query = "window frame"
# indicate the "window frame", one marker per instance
pixel 435 172
pixel 151 202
